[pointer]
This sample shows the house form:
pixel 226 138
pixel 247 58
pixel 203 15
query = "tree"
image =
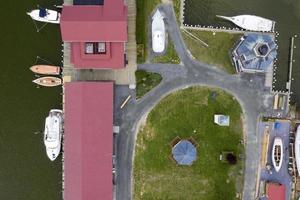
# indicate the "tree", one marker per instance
pixel 231 158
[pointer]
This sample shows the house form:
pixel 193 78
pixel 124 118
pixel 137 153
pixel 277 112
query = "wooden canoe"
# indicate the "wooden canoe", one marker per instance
pixel 48 81
pixel 45 69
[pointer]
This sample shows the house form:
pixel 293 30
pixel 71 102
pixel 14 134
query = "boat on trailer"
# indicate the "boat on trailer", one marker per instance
pixel 158 32
pixel 53 133
pixel 48 81
pixel 45 15
pixel 277 153
pixel 251 22
pixel 45 69
pixel 297 149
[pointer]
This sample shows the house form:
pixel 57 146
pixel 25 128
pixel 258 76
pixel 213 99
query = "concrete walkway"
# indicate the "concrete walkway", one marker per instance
pixel 253 99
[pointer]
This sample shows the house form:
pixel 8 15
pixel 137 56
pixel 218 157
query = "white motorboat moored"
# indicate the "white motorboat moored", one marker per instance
pixel 251 22
pixel 53 133
pixel 158 32
pixel 297 149
pixel 277 153
pixel 45 15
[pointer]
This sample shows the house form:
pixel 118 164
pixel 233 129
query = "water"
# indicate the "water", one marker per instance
pixel 25 171
pixel 286 13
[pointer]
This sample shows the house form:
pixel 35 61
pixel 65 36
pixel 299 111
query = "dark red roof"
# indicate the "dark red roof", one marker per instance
pixel 275 191
pixel 114 59
pixel 106 23
pixel 88 140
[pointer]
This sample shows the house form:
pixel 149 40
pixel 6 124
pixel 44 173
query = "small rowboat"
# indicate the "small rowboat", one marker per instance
pixel 48 81
pixel 277 153
pixel 45 69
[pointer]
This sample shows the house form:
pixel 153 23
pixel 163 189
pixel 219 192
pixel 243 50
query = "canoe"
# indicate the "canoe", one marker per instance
pixel 45 69
pixel 251 22
pixel 48 81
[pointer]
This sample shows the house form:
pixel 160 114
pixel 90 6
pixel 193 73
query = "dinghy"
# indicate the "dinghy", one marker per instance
pixel 48 81
pixel 45 69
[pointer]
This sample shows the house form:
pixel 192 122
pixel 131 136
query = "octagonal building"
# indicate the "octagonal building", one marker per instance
pixel 254 53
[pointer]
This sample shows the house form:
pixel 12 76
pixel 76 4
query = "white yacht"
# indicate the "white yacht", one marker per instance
pixel 53 133
pixel 251 22
pixel 45 15
pixel 277 153
pixel 297 149
pixel 158 32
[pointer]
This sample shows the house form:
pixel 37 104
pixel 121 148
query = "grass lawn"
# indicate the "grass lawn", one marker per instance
pixel 187 113
pixel 169 57
pixel 144 10
pixel 145 82
pixel 217 53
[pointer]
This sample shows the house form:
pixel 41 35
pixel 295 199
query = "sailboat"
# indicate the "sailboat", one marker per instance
pixel 45 15
pixel 251 22
pixel 158 32
pixel 277 153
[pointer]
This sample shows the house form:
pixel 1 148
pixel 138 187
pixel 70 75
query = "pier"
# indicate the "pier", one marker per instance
pixel 291 60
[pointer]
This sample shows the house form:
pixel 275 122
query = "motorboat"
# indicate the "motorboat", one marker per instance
pixel 277 153
pixel 297 149
pixel 251 22
pixel 53 133
pixel 45 69
pixel 48 81
pixel 45 15
pixel 158 32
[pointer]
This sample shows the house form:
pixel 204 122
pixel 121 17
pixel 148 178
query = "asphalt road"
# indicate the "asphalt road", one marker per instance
pixel 252 96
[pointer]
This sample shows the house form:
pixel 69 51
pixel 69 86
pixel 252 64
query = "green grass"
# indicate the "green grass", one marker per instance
pixel 169 57
pixel 217 53
pixel 189 113
pixel 144 10
pixel 145 82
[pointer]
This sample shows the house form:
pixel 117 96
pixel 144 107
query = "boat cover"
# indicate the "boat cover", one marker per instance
pixel 43 12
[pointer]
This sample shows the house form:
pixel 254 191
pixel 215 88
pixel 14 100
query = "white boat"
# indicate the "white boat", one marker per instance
pixel 158 32
pixel 45 15
pixel 297 149
pixel 251 22
pixel 277 153
pixel 53 133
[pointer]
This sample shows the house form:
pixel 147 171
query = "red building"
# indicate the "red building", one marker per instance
pixel 97 34
pixel 88 141
pixel 275 191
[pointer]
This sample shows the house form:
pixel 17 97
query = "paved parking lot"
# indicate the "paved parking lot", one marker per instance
pixel 277 129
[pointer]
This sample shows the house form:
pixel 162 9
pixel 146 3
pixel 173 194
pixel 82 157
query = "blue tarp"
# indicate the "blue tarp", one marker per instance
pixel 42 12
pixel 184 152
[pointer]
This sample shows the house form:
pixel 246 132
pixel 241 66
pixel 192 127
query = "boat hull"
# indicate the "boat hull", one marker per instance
pixel 48 81
pixel 251 22
pixel 158 33
pixel 277 153
pixel 297 149
pixel 51 17
pixel 45 69
pixel 53 133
